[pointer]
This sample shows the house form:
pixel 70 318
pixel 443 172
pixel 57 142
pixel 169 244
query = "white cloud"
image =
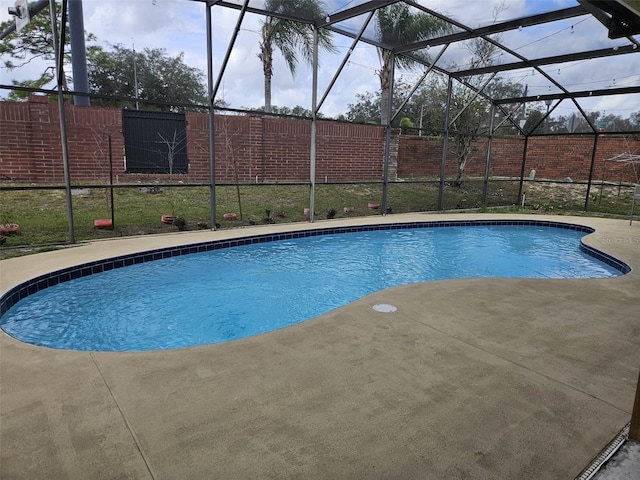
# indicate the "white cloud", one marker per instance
pixel 179 26
pixel 144 20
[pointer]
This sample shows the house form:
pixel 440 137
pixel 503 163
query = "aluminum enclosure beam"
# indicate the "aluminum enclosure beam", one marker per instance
pixel 465 33
pixel 370 6
pixel 618 16
pixel 262 11
pixel 491 41
pixel 487 165
pixel 445 145
pixel 522 167
pixel 564 96
pixel 345 60
pixel 473 99
pixel 540 62
pixel 387 138
pixel 234 36
pixel 314 128
pixel 495 28
pixel 584 114
pixel 419 82
pixel 58 46
pixel 591 167
pixel 212 143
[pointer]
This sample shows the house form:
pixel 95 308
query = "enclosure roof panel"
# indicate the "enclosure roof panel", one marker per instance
pixel 536 43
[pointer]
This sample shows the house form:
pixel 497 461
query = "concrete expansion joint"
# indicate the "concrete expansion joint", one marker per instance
pixel 130 428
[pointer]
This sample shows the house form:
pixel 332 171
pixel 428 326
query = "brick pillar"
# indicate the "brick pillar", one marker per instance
pixel 45 151
pixel 393 154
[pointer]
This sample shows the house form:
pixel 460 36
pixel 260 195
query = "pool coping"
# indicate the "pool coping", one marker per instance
pixel 184 412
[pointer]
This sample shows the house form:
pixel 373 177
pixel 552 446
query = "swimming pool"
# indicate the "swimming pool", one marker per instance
pixel 237 288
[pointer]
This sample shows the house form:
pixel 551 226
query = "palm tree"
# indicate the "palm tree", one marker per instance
pixel 291 38
pixel 397 25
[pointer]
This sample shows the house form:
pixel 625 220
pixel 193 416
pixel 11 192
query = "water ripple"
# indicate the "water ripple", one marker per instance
pixel 237 292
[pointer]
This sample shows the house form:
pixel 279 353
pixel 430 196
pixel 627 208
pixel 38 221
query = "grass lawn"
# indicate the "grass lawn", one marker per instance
pixel 41 213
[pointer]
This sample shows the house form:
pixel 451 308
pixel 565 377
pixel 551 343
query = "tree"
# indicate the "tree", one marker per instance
pixel 366 109
pixel 471 119
pixel 406 124
pixel 615 123
pixel 33 43
pixel 420 104
pixel 17 95
pixel 533 118
pixel 291 38
pixel 398 25
pixel 470 111
pixel 464 131
pixel 160 77
pixel 111 72
pixel 296 111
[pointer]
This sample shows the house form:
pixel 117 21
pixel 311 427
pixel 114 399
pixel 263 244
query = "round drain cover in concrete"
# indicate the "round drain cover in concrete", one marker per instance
pixel 384 308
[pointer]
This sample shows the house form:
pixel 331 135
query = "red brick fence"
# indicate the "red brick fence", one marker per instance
pixel 255 148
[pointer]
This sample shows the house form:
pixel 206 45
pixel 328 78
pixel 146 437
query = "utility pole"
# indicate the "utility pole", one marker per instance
pixel 135 75
pixel 546 118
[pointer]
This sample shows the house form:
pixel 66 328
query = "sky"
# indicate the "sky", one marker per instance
pixel 179 27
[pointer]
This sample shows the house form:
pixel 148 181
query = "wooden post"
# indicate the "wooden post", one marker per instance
pixel 634 430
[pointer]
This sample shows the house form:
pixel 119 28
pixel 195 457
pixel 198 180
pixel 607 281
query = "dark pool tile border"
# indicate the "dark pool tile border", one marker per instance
pixel 34 285
pixel 606 258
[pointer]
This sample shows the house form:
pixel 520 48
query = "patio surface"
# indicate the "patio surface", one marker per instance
pixel 469 379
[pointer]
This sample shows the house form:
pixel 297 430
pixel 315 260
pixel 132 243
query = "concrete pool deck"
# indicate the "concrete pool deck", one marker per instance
pixel 476 378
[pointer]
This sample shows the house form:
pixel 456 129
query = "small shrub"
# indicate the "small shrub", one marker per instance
pixel 180 223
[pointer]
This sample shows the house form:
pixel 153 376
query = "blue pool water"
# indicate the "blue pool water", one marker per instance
pixel 232 293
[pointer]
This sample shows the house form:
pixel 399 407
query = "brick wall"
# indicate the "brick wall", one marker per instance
pixel 555 157
pixel 254 148
pixel 249 148
pixel 30 146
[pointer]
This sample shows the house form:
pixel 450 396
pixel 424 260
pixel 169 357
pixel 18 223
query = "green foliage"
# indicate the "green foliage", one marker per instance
pixel 21 95
pixel 296 111
pixel 427 103
pixel 533 119
pixel 397 24
pixel 366 109
pixel 289 37
pixel 406 124
pixel 35 42
pixel 160 77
